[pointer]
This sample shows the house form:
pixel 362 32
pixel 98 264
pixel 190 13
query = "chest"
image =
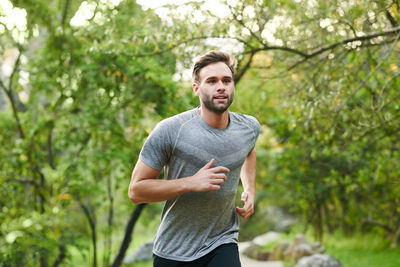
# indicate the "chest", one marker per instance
pixel 229 148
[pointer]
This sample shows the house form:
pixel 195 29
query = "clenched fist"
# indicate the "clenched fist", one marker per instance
pixel 208 178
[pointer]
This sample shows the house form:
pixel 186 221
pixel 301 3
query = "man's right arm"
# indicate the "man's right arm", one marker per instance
pixel 146 187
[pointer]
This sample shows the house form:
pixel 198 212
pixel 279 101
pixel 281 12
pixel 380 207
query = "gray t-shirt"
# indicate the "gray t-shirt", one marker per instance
pixel 194 223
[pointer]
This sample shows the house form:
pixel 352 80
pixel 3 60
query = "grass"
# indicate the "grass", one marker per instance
pixel 365 250
pixel 359 250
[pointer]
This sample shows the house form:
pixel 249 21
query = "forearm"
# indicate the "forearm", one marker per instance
pixel 155 190
pixel 145 187
pixel 248 173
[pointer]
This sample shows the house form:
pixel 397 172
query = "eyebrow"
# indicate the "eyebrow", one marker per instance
pixel 215 77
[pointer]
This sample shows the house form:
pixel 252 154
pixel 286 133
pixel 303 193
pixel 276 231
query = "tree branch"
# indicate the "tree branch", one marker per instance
pixel 65 12
pixel 245 68
pixel 345 41
pixel 376 223
pixel 241 22
pixel 9 92
pixel 391 19
pixel 23 181
pixel 50 147
pixel 171 47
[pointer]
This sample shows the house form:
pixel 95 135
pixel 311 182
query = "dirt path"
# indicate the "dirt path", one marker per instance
pixel 247 262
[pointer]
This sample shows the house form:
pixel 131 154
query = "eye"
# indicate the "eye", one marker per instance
pixel 227 81
pixel 212 81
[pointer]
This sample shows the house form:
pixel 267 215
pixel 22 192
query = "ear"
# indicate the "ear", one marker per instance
pixel 196 89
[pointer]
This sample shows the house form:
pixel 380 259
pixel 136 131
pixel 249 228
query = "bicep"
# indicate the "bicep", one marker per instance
pixel 251 157
pixel 142 172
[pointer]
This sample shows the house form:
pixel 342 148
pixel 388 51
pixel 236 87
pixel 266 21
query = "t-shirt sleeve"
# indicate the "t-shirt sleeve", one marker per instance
pixel 157 148
pixel 256 129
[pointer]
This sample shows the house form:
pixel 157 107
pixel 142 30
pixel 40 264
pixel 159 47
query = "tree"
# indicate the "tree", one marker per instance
pixel 71 145
pixel 327 79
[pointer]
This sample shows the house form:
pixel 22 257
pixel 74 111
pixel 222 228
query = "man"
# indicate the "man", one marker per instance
pixel 205 151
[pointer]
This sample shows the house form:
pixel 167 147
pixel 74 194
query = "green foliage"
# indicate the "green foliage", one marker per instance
pixel 325 89
pixel 90 99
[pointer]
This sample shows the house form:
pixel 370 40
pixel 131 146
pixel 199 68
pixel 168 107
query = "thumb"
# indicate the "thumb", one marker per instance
pixel 209 164
pixel 244 196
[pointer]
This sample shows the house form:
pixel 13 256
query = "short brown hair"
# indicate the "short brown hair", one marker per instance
pixel 212 57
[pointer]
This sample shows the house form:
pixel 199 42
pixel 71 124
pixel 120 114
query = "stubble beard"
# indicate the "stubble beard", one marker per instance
pixel 208 102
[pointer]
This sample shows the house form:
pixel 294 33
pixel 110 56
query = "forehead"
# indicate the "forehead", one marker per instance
pixel 218 69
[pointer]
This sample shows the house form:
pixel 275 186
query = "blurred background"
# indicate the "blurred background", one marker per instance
pixel 83 83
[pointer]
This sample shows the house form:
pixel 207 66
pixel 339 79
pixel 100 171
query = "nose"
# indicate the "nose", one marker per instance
pixel 221 87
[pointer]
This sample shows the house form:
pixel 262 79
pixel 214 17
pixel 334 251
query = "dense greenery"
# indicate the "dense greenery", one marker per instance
pixel 77 101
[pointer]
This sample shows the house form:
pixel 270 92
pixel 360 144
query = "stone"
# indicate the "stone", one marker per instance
pixel 298 248
pixel 143 253
pixel 300 239
pixel 277 254
pixel 302 250
pixel 251 250
pixel 318 248
pixel 319 260
pixel 263 255
pixel 266 238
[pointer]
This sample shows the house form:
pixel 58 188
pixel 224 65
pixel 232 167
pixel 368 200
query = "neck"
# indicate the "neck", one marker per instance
pixel 215 120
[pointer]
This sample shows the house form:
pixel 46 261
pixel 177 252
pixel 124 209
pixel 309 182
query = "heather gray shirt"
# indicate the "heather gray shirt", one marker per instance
pixel 195 223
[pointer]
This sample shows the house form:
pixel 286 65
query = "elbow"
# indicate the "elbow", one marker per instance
pixel 133 196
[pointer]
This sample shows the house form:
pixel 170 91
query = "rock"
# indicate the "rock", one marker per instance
pixel 317 247
pixel 319 260
pixel 251 250
pixel 302 250
pixel 266 238
pixel 300 239
pixel 143 253
pixel 298 248
pixel 263 255
pixel 277 254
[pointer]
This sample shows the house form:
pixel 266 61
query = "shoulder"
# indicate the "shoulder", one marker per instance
pixel 175 122
pixel 247 120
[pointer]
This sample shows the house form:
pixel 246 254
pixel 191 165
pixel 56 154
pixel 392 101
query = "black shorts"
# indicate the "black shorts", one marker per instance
pixel 226 255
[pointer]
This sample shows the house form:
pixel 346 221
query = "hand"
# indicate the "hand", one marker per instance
pixel 207 178
pixel 248 208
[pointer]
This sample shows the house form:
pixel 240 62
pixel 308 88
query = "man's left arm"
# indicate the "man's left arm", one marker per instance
pixel 248 178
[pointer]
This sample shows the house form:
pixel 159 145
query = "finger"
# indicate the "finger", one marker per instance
pixel 243 209
pixel 246 211
pixel 248 206
pixel 214 187
pixel 243 213
pixel 209 164
pixel 220 169
pixel 240 211
pixel 219 176
pixel 217 181
pixel 245 196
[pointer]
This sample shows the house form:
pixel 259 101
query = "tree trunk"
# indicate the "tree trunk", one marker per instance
pixel 110 218
pixel 396 238
pixel 128 235
pixel 61 255
pixel 92 224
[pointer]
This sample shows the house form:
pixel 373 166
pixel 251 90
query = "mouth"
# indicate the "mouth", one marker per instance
pixel 220 97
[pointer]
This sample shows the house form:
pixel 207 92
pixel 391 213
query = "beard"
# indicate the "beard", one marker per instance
pixel 208 101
